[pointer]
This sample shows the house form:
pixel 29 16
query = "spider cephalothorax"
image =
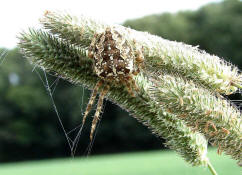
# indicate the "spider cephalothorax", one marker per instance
pixel 116 62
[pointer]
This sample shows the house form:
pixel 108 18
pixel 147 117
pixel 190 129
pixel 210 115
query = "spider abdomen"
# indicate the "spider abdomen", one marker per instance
pixel 113 56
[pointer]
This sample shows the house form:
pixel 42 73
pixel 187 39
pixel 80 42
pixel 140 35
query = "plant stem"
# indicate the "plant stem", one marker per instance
pixel 211 168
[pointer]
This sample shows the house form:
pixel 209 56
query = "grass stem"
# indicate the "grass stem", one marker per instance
pixel 211 168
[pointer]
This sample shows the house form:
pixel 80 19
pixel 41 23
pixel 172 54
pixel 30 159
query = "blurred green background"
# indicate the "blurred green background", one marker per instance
pixel 29 128
pixel 142 163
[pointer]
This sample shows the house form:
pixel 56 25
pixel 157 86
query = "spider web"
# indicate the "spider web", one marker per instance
pixel 72 143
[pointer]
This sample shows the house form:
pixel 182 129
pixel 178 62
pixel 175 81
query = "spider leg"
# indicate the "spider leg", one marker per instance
pixel 136 88
pixel 91 101
pixel 139 57
pixel 98 111
pixel 131 85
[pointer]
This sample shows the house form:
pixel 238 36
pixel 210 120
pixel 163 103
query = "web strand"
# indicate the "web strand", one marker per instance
pixel 46 85
pixel 50 88
pixel 55 108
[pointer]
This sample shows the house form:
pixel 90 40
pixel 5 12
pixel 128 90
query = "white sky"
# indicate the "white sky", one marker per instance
pixel 16 15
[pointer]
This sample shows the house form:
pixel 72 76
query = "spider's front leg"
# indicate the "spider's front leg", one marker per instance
pixel 139 58
pixel 92 46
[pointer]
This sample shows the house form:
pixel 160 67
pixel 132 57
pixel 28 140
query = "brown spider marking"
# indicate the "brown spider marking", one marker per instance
pixel 115 62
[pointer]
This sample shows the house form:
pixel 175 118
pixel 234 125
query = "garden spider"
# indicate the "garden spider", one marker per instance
pixel 115 62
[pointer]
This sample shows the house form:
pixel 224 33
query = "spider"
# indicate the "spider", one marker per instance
pixel 115 62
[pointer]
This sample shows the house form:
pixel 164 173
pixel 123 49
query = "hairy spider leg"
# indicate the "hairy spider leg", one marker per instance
pixel 91 100
pixel 134 85
pixel 130 84
pixel 98 110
